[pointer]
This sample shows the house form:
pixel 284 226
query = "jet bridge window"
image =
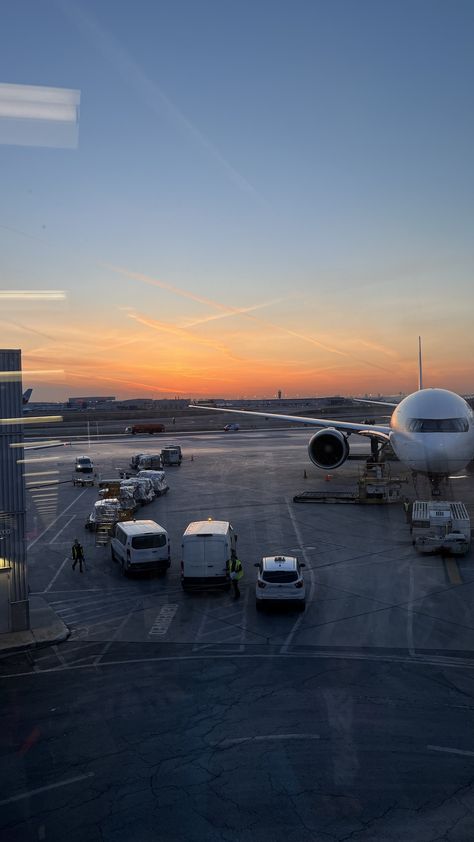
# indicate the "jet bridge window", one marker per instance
pixel 438 425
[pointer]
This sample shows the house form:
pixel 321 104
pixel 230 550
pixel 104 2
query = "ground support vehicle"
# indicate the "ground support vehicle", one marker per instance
pixel 146 461
pixel 103 511
pixel 171 455
pixel 205 555
pixel 140 546
pixel 144 492
pixel 84 481
pixel 109 487
pixel 128 499
pixel 440 527
pixel 158 480
pixel 84 465
pixel 150 462
pixel 145 428
pixel 134 460
pixel 280 580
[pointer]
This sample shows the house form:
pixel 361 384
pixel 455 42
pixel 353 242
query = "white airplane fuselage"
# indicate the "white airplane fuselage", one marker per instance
pixel 433 432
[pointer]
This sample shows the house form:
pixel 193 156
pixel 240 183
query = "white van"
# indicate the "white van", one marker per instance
pixel 205 556
pixel 140 545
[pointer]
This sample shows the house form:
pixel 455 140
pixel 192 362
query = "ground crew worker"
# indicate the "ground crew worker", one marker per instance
pixel 236 573
pixel 77 554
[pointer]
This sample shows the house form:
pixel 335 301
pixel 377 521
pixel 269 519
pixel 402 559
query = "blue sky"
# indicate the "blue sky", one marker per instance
pixel 317 152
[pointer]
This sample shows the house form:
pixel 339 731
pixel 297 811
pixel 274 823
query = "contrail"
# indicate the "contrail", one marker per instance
pixel 149 92
pixel 179 331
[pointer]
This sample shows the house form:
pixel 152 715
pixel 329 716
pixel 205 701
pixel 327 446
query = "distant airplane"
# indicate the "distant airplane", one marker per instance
pixel 431 431
pixel 26 396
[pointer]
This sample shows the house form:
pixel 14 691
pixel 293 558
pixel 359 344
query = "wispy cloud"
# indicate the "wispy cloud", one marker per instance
pixel 163 327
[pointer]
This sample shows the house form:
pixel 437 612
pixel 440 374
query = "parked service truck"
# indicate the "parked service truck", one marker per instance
pixel 171 455
pixel 440 527
pixel 145 428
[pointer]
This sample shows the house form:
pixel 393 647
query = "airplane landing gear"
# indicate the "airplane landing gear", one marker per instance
pixel 436 481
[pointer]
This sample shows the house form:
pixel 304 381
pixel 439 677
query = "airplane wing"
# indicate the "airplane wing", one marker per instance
pixel 374 402
pixel 380 432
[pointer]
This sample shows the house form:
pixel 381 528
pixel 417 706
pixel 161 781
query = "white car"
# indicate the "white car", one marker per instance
pixel 280 580
pixel 84 465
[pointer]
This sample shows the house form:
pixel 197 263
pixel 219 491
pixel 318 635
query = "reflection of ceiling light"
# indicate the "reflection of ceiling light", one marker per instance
pixel 50 482
pixel 32 459
pixel 31 115
pixel 33 102
pixel 14 376
pixel 37 445
pixel 40 473
pixel 33 294
pixel 47 419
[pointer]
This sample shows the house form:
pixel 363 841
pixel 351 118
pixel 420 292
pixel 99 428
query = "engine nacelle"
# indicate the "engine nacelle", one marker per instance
pixel 328 448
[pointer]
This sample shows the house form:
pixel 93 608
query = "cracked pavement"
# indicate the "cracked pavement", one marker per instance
pixel 352 722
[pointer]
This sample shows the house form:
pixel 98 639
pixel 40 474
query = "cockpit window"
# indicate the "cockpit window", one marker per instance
pixel 437 425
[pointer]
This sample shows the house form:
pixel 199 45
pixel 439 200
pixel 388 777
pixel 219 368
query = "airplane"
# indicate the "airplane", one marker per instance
pixel 25 398
pixel 431 431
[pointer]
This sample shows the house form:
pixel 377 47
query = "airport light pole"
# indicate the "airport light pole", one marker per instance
pixel 13 569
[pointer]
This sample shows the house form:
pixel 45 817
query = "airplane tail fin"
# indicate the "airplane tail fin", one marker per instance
pixel 27 396
pixel 420 365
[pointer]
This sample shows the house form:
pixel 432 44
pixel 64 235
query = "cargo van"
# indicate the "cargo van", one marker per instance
pixel 139 546
pixel 205 554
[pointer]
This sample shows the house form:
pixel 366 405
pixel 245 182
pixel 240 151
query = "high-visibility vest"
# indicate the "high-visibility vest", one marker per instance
pixel 236 569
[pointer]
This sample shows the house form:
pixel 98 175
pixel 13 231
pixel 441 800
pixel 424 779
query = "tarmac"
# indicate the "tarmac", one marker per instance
pixel 46 629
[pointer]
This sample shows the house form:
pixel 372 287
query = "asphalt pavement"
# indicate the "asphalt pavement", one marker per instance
pixel 190 716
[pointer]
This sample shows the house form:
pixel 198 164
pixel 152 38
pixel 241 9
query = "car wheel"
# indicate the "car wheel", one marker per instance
pixel 258 605
pixel 124 569
pixel 112 553
pixel 301 607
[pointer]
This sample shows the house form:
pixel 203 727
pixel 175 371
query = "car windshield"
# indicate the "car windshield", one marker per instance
pixel 248 216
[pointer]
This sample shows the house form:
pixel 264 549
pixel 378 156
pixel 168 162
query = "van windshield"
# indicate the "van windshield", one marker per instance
pixel 148 542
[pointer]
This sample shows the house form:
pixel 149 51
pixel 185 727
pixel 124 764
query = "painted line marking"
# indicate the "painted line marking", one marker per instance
pixel 438 661
pixel 116 633
pixel 451 750
pixel 297 624
pixel 452 569
pixel 31 792
pixel 56 519
pixel 267 737
pixel 411 594
pixel 163 621
pixel 58 571
pixel 62 527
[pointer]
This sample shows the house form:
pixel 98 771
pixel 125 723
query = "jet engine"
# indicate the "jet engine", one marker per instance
pixel 328 448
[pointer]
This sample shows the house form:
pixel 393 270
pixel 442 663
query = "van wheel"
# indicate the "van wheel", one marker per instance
pixel 112 553
pixel 124 569
pixel 301 607
pixel 258 605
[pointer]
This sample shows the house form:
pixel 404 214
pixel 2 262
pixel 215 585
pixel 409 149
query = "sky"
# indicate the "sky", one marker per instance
pixel 261 195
